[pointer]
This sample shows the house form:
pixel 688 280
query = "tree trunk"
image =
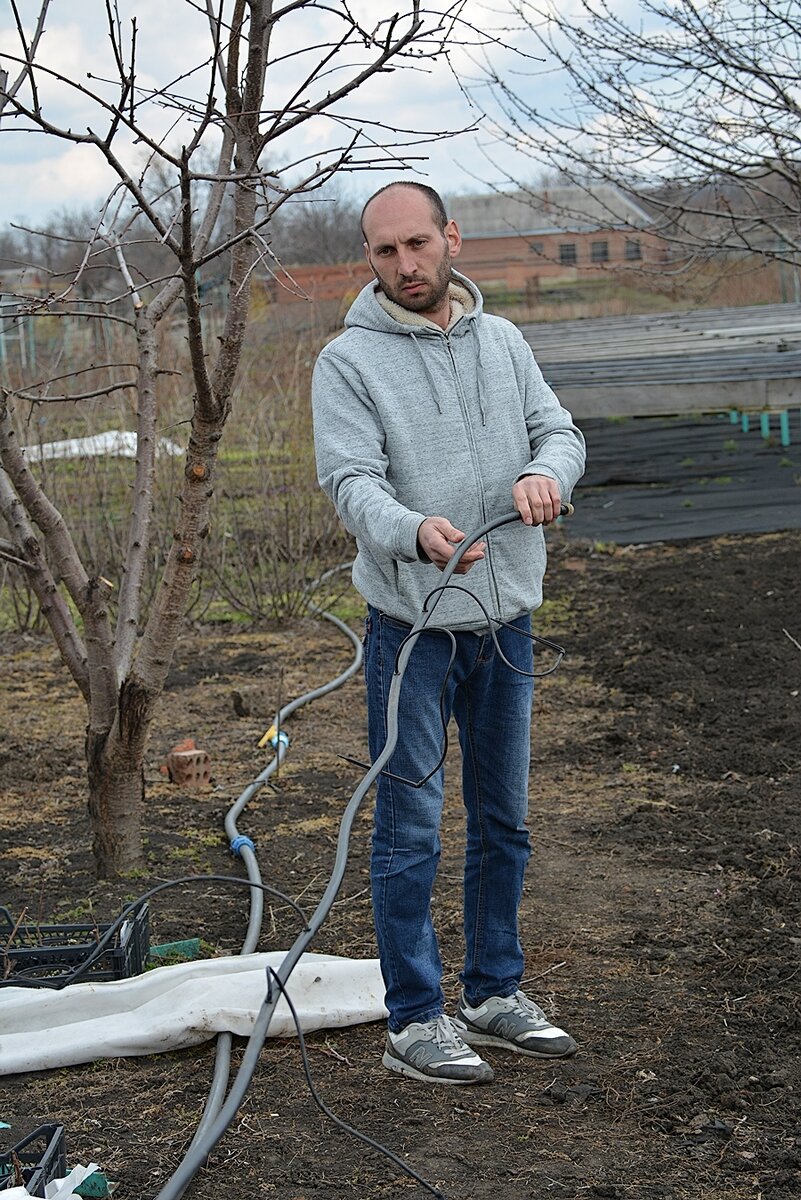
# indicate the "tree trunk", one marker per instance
pixel 115 767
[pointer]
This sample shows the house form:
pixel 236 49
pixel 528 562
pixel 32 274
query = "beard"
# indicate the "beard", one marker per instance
pixel 430 294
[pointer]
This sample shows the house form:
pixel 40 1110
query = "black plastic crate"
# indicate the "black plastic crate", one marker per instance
pixel 52 952
pixel 39 1158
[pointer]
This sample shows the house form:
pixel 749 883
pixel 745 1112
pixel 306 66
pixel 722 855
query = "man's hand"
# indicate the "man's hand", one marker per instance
pixel 438 540
pixel 537 499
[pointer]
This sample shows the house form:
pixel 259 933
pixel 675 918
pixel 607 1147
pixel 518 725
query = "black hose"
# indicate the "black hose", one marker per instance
pixel 198 1153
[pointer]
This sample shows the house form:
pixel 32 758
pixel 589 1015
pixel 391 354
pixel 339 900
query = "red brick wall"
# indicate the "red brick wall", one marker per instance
pixel 512 262
pixel 312 282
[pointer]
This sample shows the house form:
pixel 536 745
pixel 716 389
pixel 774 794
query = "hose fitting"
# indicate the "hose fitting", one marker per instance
pixel 239 841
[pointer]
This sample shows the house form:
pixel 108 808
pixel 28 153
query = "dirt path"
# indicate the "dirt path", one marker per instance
pixel 661 918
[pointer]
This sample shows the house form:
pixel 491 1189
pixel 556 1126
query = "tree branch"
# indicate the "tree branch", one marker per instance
pixel 29 54
pixel 90 596
pixel 138 543
pixel 26 551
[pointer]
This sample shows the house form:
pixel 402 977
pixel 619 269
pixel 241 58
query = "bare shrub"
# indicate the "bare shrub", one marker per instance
pixel 275 534
pixel 272 534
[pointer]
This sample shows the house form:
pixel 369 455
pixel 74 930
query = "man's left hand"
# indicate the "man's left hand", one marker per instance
pixel 537 499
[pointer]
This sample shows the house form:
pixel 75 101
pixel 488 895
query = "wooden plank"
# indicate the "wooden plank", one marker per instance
pixel 674 363
pixel 665 399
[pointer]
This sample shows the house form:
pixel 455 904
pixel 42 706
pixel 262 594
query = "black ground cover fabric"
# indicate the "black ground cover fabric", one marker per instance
pixel 667 479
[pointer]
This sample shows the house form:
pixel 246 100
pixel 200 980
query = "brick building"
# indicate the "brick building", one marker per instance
pixel 513 240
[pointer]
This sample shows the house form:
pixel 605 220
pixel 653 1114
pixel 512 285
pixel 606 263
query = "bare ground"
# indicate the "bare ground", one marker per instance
pixel 661 918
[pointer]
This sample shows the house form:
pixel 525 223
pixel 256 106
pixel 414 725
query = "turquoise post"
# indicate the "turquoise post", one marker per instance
pixel 784 428
pixel 764 424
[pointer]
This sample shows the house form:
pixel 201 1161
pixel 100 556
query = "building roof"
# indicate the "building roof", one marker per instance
pixel 561 208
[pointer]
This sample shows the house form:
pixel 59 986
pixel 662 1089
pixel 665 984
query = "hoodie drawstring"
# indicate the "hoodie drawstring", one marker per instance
pixel 429 376
pixel 480 381
pixel 480 378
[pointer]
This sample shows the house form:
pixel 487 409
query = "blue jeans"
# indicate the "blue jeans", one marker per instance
pixel 492 708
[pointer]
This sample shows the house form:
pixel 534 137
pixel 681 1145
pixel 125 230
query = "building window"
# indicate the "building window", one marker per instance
pixel 536 247
pixel 633 252
pixel 567 253
pixel 599 252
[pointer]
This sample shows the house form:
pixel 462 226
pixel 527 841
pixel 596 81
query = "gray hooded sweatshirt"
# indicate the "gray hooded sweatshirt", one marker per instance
pixel 412 421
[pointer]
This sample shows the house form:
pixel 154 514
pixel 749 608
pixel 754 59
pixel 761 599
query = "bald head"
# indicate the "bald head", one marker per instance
pixel 433 198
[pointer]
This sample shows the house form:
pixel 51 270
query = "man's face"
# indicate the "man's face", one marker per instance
pixel 410 255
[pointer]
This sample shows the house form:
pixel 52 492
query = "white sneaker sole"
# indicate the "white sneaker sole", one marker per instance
pixel 404 1068
pixel 474 1037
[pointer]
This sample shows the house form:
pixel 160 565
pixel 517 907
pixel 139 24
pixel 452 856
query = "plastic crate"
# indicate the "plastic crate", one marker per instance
pixel 40 1158
pixel 52 952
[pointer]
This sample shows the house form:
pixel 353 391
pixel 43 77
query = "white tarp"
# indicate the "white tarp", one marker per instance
pixel 120 443
pixel 176 1006
pixel 57 1189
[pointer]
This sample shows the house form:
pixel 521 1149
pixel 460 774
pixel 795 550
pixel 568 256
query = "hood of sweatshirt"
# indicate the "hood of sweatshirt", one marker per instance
pixel 373 310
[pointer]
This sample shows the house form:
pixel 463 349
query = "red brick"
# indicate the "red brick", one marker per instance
pixel 189 768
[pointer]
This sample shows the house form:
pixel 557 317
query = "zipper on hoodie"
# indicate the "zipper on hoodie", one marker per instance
pixel 476 469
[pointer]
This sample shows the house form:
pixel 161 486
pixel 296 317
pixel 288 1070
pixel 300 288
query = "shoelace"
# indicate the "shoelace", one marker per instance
pixel 527 1008
pixel 447 1037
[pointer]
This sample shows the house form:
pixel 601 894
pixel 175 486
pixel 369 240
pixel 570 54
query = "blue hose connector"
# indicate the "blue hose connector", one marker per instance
pixel 239 841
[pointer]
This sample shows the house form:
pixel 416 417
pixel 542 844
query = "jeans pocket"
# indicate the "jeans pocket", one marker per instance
pixel 368 629
pixel 392 623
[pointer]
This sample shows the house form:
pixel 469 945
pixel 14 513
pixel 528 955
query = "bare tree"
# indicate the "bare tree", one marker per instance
pixel 192 214
pixel 692 104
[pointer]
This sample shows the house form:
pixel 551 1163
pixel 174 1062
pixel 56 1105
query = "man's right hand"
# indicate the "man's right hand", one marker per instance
pixel 438 540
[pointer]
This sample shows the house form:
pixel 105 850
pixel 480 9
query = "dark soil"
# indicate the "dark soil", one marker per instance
pixel 661 918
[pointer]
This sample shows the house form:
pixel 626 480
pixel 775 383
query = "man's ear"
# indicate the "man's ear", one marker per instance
pixel 453 238
pixel 369 260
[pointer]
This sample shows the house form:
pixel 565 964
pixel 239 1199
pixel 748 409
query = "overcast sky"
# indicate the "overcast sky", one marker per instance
pixel 43 175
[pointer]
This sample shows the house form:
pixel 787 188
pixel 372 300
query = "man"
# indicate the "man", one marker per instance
pixel 431 418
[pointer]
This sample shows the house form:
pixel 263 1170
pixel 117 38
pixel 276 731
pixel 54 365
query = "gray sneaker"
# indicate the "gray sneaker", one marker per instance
pixel 435 1052
pixel 513 1023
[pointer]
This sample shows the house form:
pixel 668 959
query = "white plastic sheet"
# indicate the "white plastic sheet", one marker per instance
pixel 120 443
pixel 176 1006
pixel 57 1189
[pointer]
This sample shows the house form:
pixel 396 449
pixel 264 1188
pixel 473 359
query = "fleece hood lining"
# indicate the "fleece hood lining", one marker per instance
pixel 462 302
